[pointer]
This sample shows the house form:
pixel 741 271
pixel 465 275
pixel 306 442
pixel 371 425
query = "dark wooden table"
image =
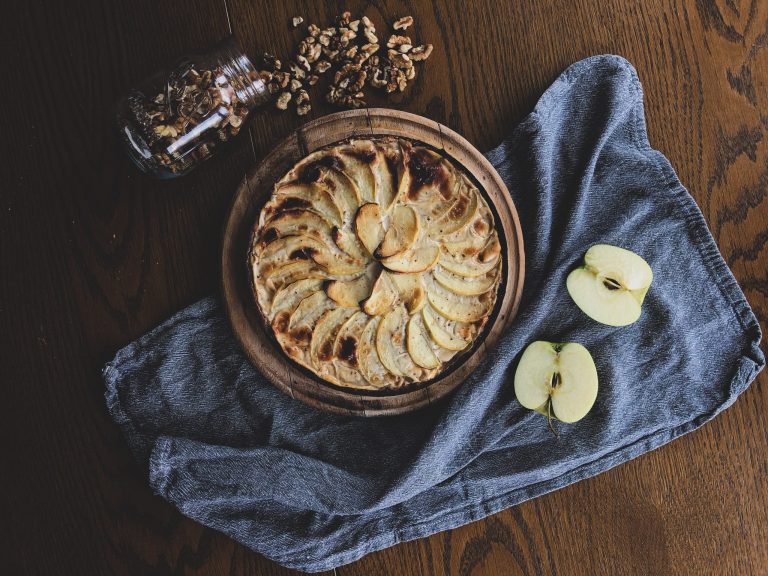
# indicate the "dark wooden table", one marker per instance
pixel 93 254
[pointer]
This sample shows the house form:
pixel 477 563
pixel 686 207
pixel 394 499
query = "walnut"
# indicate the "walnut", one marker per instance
pixel 403 23
pixel 303 62
pixel 281 78
pixel 313 54
pixel 296 21
pixel 421 52
pixel 398 59
pixel 396 41
pixel 298 71
pixel 322 66
pixel 282 101
pixel 370 36
pixel 351 48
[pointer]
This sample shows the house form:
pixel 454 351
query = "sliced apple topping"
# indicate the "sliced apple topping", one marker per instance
pixel 611 286
pixel 421 257
pixel 349 293
pixel 439 334
pixel 466 286
pixel 411 290
pixel 375 262
pixel 418 345
pixel 387 173
pixel 279 276
pixel 288 297
pixel 459 216
pixel 474 266
pixel 391 346
pixel 356 160
pixel 347 351
pixel 348 242
pixel 318 198
pixel 455 307
pixel 369 226
pixel 383 296
pixel 558 380
pixel 370 364
pixel 403 229
pixel 324 337
pixel 292 222
pixel 309 310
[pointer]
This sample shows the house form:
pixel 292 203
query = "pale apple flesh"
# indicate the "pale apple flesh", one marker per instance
pixel 369 226
pixel 611 286
pixel 559 380
pixel 402 232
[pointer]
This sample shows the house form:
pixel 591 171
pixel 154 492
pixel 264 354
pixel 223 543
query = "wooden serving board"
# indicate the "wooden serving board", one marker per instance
pixel 255 190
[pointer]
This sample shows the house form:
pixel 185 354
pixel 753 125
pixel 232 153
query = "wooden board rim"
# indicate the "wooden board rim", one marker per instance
pixel 241 311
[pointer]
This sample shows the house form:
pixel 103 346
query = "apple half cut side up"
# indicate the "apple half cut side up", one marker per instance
pixel 611 285
pixel 557 380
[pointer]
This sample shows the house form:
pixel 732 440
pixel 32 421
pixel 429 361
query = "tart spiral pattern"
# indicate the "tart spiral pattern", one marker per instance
pixel 375 262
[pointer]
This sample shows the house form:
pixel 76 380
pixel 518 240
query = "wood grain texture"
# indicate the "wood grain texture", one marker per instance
pixel 92 255
pixel 257 188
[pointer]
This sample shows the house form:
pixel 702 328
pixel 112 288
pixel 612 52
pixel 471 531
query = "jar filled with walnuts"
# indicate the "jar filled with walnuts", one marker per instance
pixel 181 116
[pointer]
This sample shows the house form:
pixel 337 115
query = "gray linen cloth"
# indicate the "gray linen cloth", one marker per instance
pixel 313 491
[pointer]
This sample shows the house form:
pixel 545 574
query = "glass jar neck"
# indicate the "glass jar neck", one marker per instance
pixel 243 76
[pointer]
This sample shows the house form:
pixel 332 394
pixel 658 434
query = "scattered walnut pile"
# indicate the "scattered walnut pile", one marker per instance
pixel 353 53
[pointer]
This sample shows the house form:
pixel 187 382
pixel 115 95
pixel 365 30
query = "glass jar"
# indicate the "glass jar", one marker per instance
pixel 180 117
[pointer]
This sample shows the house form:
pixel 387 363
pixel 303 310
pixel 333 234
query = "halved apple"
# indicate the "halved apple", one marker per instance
pixel 455 307
pixel 294 195
pixel 559 380
pixel 350 293
pixel 611 286
pixel 418 345
pixel 383 296
pixel 440 335
pixel 403 229
pixel 421 257
pixel 369 226
pixel 411 290
pixel 462 285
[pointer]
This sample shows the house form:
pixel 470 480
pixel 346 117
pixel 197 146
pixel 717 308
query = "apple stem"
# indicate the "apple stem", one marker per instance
pixel 549 417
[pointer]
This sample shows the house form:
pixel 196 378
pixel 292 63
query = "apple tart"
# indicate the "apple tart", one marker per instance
pixel 375 263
